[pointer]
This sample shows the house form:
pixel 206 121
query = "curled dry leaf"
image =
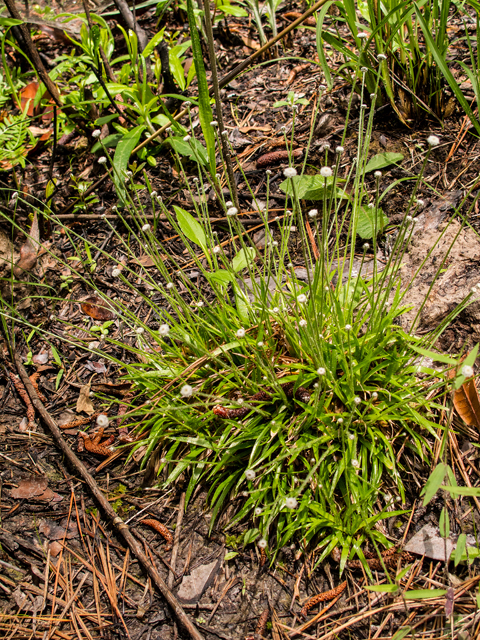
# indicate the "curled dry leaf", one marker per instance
pixel 83 402
pixel 467 402
pixel 29 251
pixel 97 309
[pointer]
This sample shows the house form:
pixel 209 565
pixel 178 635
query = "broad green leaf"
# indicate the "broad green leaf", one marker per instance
pixel 243 259
pixel 10 22
pixel 382 160
pixel 205 113
pixel 384 588
pixel 242 305
pixel 193 149
pixel 230 555
pixel 423 594
pixel 124 149
pixel 444 523
pixel 460 548
pixel 320 49
pixel 233 11
pixel 434 482
pixel 312 187
pixel 110 141
pixel 369 221
pixel 221 277
pixel 192 229
pixel 225 347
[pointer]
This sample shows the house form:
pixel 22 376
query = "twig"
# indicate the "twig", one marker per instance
pixel 176 542
pixel 116 521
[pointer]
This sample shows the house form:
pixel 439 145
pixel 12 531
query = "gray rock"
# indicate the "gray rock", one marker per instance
pixel 194 585
pixel 428 542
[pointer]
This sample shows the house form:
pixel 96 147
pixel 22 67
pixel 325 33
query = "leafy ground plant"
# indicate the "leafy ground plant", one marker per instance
pixel 290 393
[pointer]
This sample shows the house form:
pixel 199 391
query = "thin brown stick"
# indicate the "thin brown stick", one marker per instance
pixel 176 541
pixel 116 521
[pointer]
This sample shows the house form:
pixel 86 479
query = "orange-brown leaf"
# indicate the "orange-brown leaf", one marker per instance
pixel 29 251
pixel 467 403
pixel 97 309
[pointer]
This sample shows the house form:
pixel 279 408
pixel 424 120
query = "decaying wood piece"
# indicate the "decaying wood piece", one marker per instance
pixel 115 519
pixel 19 386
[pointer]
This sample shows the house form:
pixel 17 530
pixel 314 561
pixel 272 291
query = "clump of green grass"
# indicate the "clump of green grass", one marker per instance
pixel 318 466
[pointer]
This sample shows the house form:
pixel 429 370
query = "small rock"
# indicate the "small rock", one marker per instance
pixel 428 542
pixel 194 585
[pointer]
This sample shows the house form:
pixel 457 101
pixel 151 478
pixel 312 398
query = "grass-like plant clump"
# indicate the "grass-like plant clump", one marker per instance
pixel 292 394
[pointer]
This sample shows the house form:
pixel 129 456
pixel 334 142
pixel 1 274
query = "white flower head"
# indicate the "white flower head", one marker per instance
pixel 321 371
pixel 146 227
pixel 102 421
pixel 301 298
pixel 216 249
pixel 378 174
pixel 289 265
pixel 96 133
pixel 153 194
pixel 240 333
pixel 186 391
pixel 290 172
pixel 275 310
pixel 326 172
pixel 170 285
pixel 260 344
pixel 357 400
pixel 433 141
pixel 362 35
pixel 291 503
pixel 364 69
pixel 340 421
pixel 268 172
pixel 102 160
pixel 420 204
pixel 348 327
pixel 186 138
pixel 232 211
pixel 355 463
pixel 139 331
pixel 374 395
pixel 164 330
pixel 382 56
pixel 366 246
pixel 214 123
pixel 313 213
pixel 250 474
pixel 467 371
pixel 274 243
pixel 262 543
pixel 116 273
pixel 339 150
pixel 258 511
pixel 303 323
pixel 229 204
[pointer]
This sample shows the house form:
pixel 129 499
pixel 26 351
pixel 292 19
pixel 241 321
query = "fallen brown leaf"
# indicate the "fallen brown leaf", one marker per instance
pixel 30 488
pixel 97 308
pixel 467 403
pixel 83 401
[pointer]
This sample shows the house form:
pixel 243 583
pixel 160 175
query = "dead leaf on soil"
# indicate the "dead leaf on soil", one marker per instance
pixel 53 531
pixel 29 488
pixel 97 308
pixel 118 389
pixel 83 402
pixel 96 367
pixel 27 95
pixel 40 358
pixel 145 261
pixel 29 251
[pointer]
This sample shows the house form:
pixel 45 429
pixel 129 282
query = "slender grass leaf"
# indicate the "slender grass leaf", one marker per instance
pixel 436 357
pixel 124 149
pixel 444 523
pixel 462 491
pixel 423 594
pixel 191 227
pixel 442 65
pixel 401 633
pixel 434 482
pixel 205 113
pixel 382 160
pixel 460 548
pixel 320 50
pixel 384 588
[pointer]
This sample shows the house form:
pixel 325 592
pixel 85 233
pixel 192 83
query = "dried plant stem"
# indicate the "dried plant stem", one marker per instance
pixel 117 522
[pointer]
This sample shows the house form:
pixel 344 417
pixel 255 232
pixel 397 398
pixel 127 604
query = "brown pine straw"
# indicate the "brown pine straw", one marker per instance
pixel 115 520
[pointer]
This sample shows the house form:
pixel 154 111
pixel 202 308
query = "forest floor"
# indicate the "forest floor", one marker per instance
pixel 64 572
